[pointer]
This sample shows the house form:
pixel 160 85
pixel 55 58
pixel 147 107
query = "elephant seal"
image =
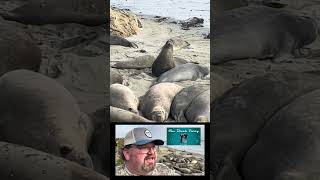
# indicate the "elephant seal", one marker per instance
pixel 123 97
pixel 40 113
pixel 99 148
pixel 40 12
pixel 268 33
pixel 115 77
pixel 156 103
pixel 184 72
pixel 179 43
pixel 164 61
pixel 289 144
pixel 219 86
pixel 117 40
pixel 182 100
pixel 199 108
pixel 18 50
pixel 220 6
pixel 21 162
pixel 146 61
pixel 120 115
pixel 240 114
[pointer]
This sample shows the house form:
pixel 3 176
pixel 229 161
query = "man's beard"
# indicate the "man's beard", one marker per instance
pixel 148 167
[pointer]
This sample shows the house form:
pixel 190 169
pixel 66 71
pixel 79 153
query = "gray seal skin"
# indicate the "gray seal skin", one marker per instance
pixel 40 113
pixel 164 61
pixel 40 12
pixel 199 108
pixel 117 40
pixel 156 103
pixel 288 146
pixel 240 113
pixel 184 72
pixel 18 50
pixel 120 115
pixel 266 32
pixel 123 97
pixel 115 77
pixel 19 162
pixel 220 6
pixel 183 99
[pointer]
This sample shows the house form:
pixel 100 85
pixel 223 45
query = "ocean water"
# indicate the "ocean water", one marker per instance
pixel 177 9
pixel 199 149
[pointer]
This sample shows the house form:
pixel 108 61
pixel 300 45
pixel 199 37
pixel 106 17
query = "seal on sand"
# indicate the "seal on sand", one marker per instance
pixel 40 113
pixel 156 103
pixel 117 40
pixel 164 61
pixel 40 12
pixel 199 108
pixel 21 162
pixel 184 72
pixel 123 97
pixel 182 100
pixel 268 33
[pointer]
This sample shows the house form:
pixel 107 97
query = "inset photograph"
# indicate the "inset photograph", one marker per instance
pixel 160 150
pixel 160 61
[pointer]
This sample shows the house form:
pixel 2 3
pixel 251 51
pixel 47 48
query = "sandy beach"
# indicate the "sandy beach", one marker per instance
pixel 151 38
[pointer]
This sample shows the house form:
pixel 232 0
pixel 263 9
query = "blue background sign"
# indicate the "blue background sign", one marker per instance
pixel 183 136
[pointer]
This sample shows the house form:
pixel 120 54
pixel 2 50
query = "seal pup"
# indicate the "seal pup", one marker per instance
pixel 183 99
pixel 156 103
pixel 40 12
pixel 269 34
pixel 21 162
pixel 184 72
pixel 123 97
pixel 164 61
pixel 40 113
pixel 199 108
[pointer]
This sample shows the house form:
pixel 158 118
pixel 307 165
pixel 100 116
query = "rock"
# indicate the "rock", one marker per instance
pixel 123 23
pixel 184 170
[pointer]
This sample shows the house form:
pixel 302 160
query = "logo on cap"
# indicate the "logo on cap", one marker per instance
pixel 148 133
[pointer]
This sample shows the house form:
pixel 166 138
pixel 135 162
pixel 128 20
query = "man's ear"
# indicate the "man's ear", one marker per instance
pixel 126 154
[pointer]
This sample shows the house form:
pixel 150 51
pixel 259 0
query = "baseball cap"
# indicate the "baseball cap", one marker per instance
pixel 140 136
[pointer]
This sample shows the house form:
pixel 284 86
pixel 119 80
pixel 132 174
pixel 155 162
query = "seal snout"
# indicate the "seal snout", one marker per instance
pixel 158 114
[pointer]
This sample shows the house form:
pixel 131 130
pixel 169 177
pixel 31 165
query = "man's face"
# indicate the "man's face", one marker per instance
pixel 141 159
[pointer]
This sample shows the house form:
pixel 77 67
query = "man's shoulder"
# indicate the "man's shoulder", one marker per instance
pixel 162 169
pixel 121 171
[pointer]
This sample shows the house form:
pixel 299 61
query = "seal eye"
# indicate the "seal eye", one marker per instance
pixel 64 151
pixel 130 109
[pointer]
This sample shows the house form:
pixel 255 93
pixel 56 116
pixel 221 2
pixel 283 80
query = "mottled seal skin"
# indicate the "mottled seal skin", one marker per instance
pixel 40 12
pixel 240 114
pixel 19 162
pixel 179 43
pixel 121 115
pixel 117 40
pixel 123 97
pixel 289 144
pixel 164 61
pixel 115 77
pixel 183 99
pixel 156 103
pixel 18 50
pixel 267 33
pixel 184 72
pixel 199 108
pixel 38 112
